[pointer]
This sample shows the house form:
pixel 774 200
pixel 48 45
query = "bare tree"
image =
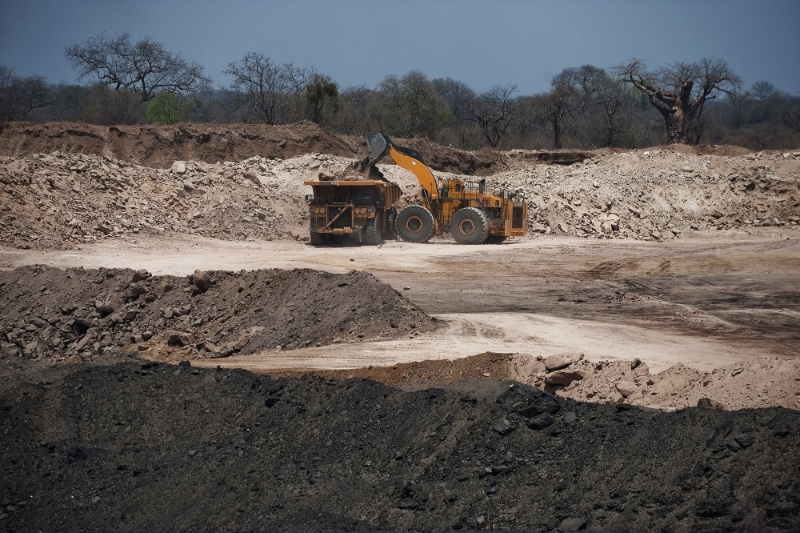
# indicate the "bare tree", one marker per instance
pixel 21 95
pixel 559 105
pixel 493 112
pixel 273 92
pixel 680 90
pixel 143 67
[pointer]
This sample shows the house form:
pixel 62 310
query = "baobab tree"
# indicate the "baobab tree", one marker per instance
pixel 680 90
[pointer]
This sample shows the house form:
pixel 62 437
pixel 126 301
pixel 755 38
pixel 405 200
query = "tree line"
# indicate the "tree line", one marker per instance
pixel 627 105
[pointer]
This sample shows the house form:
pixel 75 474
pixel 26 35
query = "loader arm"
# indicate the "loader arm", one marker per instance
pixel 411 160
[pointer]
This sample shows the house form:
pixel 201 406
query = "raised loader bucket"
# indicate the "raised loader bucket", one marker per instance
pixel 378 145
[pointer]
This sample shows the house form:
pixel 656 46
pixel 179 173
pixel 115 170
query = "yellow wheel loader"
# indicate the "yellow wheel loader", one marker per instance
pixel 465 208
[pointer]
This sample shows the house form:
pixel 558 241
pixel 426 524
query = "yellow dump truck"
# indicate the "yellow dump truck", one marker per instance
pixel 361 210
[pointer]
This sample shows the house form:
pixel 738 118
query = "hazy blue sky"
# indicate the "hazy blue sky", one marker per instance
pixel 479 42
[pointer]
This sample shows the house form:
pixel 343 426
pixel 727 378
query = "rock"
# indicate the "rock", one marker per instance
pixel 708 403
pixel 103 307
pixel 744 439
pixel 201 280
pixel 559 361
pixel 564 377
pixel 103 228
pixel 627 388
pixel 541 421
pixel 178 167
pixel 503 426
pixel 253 177
pixel 178 338
pixel 572 524
pixel 240 344
pixel 68 309
pixel 546 405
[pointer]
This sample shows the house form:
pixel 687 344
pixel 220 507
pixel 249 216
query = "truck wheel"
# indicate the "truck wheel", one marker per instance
pixel 390 231
pixel 415 224
pixel 469 226
pixel 495 239
pixel 316 239
pixel 372 232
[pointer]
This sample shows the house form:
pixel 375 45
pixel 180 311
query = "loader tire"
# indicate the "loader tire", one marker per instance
pixel 415 224
pixel 495 239
pixel 373 235
pixel 469 226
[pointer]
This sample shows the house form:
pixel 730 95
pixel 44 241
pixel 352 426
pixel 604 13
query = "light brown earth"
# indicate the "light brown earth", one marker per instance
pixel 707 302
pixel 672 255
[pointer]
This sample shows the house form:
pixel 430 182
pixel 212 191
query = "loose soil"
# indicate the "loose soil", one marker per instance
pixel 649 326
pixel 64 315
pixel 142 446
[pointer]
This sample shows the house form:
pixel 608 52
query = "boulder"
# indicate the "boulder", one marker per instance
pixel 178 167
pixel 627 388
pixel 564 377
pixel 201 280
pixel 559 361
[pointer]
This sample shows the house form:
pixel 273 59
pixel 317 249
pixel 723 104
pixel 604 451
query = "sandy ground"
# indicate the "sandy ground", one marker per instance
pixel 706 301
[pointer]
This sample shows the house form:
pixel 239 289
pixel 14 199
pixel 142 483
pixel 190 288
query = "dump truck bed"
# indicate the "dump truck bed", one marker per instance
pixel 390 192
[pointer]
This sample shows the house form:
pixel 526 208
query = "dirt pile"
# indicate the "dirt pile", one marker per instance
pixel 659 193
pixel 142 446
pixel 77 314
pixel 61 200
pixel 752 383
pixel 159 146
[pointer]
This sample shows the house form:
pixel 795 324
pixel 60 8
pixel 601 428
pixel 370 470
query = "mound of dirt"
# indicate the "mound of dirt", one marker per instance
pixel 62 200
pixel 752 383
pixel 142 446
pixel 659 194
pixel 159 146
pixel 76 313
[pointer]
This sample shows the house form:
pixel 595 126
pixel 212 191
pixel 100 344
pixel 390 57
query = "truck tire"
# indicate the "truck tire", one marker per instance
pixel 316 239
pixel 373 235
pixel 469 226
pixel 415 224
pixel 495 239
pixel 390 231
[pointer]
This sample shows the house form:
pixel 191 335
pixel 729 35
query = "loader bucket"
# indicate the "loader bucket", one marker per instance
pixel 378 145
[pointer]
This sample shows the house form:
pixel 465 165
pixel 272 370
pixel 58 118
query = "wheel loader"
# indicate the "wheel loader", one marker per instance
pixel 363 210
pixel 465 208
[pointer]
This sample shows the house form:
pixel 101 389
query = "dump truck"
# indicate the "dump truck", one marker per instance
pixel 466 209
pixel 357 210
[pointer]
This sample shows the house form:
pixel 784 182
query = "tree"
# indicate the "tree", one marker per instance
pixel 493 112
pixel 408 106
pixel 321 89
pixel 144 67
pixel 680 90
pixel 458 96
pixel 558 105
pixel 171 108
pixel 271 91
pixel 21 95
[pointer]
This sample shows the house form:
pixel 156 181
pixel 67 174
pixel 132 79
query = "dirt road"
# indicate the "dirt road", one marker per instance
pixel 704 301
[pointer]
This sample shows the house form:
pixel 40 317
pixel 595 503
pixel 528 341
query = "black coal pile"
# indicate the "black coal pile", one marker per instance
pixel 49 312
pixel 144 446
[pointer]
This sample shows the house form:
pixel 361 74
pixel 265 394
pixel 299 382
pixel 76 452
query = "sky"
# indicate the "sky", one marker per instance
pixel 479 42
